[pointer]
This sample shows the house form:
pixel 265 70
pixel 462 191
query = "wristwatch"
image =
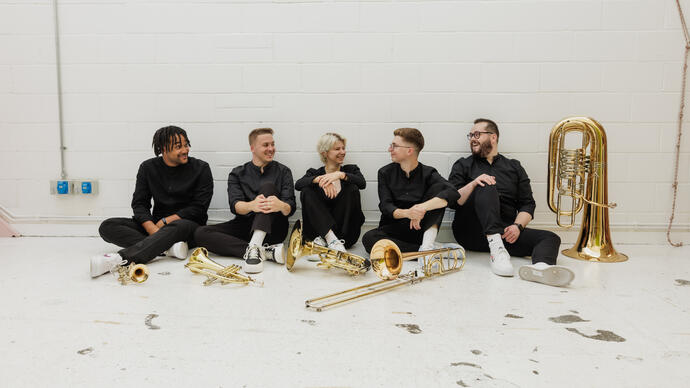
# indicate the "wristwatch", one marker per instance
pixel 519 227
pixel 165 222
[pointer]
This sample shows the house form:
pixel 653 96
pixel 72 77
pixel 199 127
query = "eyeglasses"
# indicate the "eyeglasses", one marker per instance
pixel 476 134
pixel 393 146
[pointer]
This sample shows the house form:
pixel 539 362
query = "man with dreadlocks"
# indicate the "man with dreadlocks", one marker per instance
pixel 261 194
pixel 181 188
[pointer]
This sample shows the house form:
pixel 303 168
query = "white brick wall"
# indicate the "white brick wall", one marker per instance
pixel 362 68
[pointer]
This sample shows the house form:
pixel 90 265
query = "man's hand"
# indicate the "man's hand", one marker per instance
pixel 271 204
pixel 257 205
pixel 511 233
pixel 485 179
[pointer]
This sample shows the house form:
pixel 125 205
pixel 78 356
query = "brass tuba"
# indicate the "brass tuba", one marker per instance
pixel 581 174
pixel 329 258
pixel 386 260
pixel 200 263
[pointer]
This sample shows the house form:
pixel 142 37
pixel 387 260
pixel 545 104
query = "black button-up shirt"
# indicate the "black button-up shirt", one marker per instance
pixel 398 191
pixel 185 190
pixel 512 182
pixel 352 172
pixel 244 182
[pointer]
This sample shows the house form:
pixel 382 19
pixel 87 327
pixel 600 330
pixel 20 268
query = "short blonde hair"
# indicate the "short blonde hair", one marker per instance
pixel 326 142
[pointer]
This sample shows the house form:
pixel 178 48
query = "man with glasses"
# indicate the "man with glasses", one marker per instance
pixel 181 188
pixel 495 205
pixel 412 197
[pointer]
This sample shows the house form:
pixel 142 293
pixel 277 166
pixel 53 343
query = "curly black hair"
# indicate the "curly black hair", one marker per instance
pixel 165 139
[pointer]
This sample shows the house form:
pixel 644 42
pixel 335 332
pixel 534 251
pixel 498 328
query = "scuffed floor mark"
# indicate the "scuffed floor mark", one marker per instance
pixel 166 273
pixel 535 361
pixel 488 376
pixel 465 364
pixel 564 292
pixel 682 282
pixel 461 383
pixel 85 351
pixel 604 335
pixel 148 323
pixel 567 319
pixel 476 352
pixel 535 372
pixel 410 327
pixel 628 358
pixel 536 349
pixel 309 322
pixel 574 311
pixel 108 322
pixel 402 312
pixel 513 316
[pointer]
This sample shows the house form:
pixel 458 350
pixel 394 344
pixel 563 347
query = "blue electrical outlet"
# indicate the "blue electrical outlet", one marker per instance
pixel 63 187
pixel 86 188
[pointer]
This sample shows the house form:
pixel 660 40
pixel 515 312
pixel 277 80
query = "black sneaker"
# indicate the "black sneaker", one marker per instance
pixel 253 263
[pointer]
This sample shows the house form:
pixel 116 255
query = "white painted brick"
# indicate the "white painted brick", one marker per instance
pixel 362 47
pixel 303 47
pixel 450 77
pixel 571 77
pixel 390 77
pixel 601 106
pixel 183 18
pixel 482 47
pixel 633 77
pixel 93 78
pixel 93 18
pixel 605 46
pixel 389 17
pixel 35 137
pixel 633 138
pixel 655 107
pixel 309 134
pixel 422 107
pixel 8 195
pixel 128 49
pixel 82 164
pixel 673 77
pixel 26 19
pixel 510 16
pixel 660 46
pixel 443 137
pixel 81 49
pixel 243 48
pixel 669 136
pixel 271 78
pixel 218 137
pixel 29 108
pixel 439 161
pixel 184 48
pixel 375 137
pixel 300 17
pixel 128 107
pixel 243 107
pixel 90 137
pixel 333 107
pixel 331 78
pixel 422 47
pixel 27 50
pixel 519 138
pixel 632 15
pixel 5 79
pixel 186 78
pixel 515 108
pixel 81 108
pixel 34 79
pixel 651 168
pixel 545 46
pixel 510 77
pixel 184 107
pixel 618 167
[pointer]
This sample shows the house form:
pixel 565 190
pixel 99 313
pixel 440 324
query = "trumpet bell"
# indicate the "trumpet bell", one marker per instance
pixel 138 273
pixel 295 244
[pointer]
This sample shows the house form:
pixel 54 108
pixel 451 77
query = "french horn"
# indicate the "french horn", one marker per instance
pixel 200 263
pixel 386 262
pixel 328 258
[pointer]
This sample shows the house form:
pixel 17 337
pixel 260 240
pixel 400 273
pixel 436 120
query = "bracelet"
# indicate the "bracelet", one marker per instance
pixel 165 222
pixel 519 226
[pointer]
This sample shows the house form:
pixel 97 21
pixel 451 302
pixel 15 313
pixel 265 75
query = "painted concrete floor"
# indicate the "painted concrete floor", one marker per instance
pixel 622 325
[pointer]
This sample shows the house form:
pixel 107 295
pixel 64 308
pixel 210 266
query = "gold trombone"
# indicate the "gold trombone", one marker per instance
pixel 200 263
pixel 386 261
pixel 328 258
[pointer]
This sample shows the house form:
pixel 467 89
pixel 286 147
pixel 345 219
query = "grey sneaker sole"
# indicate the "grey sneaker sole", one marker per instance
pixel 556 275
pixel 253 268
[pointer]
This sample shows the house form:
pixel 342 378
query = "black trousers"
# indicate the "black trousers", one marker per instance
pixel 231 238
pixel 480 216
pixel 342 214
pixel 408 240
pixel 139 246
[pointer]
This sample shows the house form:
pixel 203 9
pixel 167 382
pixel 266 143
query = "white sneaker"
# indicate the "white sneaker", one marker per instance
pixel 253 262
pixel 421 261
pixel 273 253
pixel 552 275
pixel 500 263
pixel 317 241
pixel 101 264
pixel 338 245
pixel 179 250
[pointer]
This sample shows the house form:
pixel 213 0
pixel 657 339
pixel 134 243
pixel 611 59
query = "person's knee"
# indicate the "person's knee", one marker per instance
pixel 485 190
pixel 553 238
pixel 369 239
pixel 105 228
pixel 201 233
pixel 267 189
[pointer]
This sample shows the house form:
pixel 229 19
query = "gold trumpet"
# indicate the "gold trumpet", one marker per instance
pixel 386 260
pixel 200 263
pixel 136 273
pixel 581 174
pixel 329 258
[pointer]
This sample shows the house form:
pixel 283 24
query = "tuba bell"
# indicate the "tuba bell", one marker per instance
pixel 328 258
pixel 200 263
pixel 581 175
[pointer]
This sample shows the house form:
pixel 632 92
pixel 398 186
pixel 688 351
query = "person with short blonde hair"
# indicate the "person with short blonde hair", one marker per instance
pixel 331 206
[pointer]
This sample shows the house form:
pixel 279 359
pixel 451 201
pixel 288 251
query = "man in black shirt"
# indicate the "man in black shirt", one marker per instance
pixel 496 204
pixel 261 194
pixel 181 188
pixel 412 197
